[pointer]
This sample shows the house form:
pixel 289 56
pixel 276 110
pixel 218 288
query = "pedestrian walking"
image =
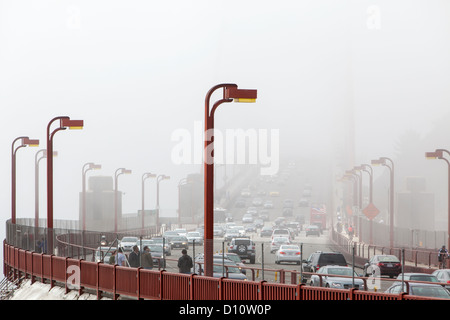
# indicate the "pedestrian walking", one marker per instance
pixel 134 257
pixel 185 262
pixel 112 259
pixel 147 260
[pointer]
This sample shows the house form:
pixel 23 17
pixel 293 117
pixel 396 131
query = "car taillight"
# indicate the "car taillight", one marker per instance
pixel 448 281
pixel 281 252
pixel 397 264
pixel 298 253
pixel 380 264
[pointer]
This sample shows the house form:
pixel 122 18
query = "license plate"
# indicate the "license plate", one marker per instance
pixel 389 265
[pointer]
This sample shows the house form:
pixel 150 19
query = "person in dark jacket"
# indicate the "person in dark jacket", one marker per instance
pixel 147 259
pixel 134 258
pixel 185 262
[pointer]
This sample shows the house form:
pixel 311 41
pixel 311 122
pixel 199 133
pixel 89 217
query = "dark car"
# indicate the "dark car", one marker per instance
pixel 156 251
pixel 383 265
pixel 312 230
pixel 319 259
pixel 266 232
pixel 288 212
pixel 244 247
pixel 240 203
pixel 179 242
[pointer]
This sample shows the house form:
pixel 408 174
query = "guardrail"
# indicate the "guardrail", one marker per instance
pixel 75 274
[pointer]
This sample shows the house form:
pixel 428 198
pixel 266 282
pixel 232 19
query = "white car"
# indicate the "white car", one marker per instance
pixel 191 236
pixel 241 230
pixel 268 204
pixel 103 254
pixel 288 253
pixel 252 210
pixel 127 243
pixel 277 242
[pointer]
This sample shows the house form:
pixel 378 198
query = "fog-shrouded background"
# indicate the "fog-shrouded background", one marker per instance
pixel 137 71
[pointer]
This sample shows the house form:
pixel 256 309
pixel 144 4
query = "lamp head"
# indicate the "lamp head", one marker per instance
pixel 30 142
pixel 240 95
pixel 72 124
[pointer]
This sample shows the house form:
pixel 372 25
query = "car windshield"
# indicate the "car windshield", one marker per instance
pixel 388 259
pixel 129 239
pixel 231 231
pixel 155 248
pixel 234 258
pixel 218 269
pixel 179 239
pixel 420 277
pixel 430 291
pixel 340 271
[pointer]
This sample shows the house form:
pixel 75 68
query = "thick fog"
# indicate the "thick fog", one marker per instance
pixel 366 77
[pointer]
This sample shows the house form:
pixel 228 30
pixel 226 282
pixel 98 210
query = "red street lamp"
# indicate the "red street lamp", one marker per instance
pixel 439 154
pixel 116 185
pixel 382 161
pixel 86 167
pixel 25 142
pixel 158 180
pixel 145 176
pixel 364 167
pixel 64 123
pixel 230 93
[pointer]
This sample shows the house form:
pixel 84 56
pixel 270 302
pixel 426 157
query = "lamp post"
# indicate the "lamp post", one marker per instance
pixel 64 123
pixel 158 180
pixel 86 167
pixel 145 176
pixel 117 173
pixel 230 93
pixel 364 167
pixel 36 186
pixel 382 161
pixel 351 174
pixel 180 183
pixel 25 142
pixel 439 154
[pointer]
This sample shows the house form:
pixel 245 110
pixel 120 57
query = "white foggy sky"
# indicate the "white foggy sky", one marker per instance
pixel 135 71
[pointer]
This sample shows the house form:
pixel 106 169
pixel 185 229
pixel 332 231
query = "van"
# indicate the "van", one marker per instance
pixel 281 233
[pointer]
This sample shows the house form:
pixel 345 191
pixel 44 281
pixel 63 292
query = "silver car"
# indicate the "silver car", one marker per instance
pixel 330 278
pixel 288 253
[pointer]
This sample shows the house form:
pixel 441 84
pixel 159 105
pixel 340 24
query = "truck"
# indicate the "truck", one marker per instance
pixel 318 217
pixel 221 215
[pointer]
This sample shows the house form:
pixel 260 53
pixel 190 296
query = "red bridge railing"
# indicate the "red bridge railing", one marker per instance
pixel 75 274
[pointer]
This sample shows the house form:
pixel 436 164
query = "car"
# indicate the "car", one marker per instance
pixel 274 193
pixel 156 250
pixel 303 202
pixel 247 218
pixel 229 256
pixel 266 232
pixel 281 233
pixel 164 242
pixel 268 204
pixel 257 202
pixel 334 281
pixel 259 223
pixel 231 233
pixel 244 247
pixel 179 242
pixel 261 193
pixel 127 243
pixel 288 203
pixel 264 215
pixel 277 241
pixel 288 253
pixel 241 230
pixel 194 237
pixel 181 232
pixel 221 268
pixel 383 265
pixel 295 226
pixel 312 230
pixel 280 221
pixel 417 276
pixel 320 259
pixel 249 228
pixel 306 193
pixel 252 210
pixel 102 254
pixel 201 230
pixel 443 275
pixel 141 243
pixel 169 233
pixel 218 231
pixel 420 289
